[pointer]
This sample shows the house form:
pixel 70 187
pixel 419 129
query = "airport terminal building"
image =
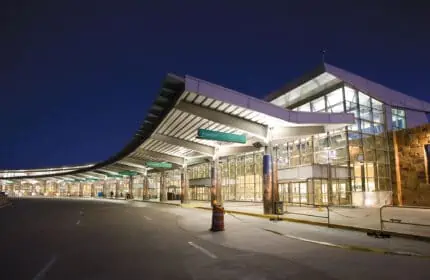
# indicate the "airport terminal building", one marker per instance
pixel 328 138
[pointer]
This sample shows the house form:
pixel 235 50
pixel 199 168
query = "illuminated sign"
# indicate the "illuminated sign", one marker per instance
pixel 220 136
pixel 155 164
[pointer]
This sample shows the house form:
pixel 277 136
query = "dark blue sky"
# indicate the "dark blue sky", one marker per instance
pixel 76 77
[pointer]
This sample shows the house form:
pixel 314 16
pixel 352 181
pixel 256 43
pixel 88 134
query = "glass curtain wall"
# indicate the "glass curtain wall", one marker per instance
pixel 363 146
pixel 240 178
pixel 173 184
pixel 154 185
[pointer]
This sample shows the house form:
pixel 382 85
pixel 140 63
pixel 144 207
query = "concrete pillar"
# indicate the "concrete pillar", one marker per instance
pixel 216 195
pixel 44 184
pixel 184 185
pixel 57 188
pixel 163 189
pixel 145 188
pixel 275 188
pixel 267 182
pixel 81 189
pixel 93 190
pixel 105 189
pixel 117 188
pixel 69 188
pixel 130 186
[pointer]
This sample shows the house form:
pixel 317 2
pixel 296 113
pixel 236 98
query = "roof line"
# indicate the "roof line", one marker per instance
pixel 172 88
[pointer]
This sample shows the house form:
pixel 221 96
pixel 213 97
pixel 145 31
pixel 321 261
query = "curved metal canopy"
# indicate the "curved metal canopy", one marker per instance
pixel 184 105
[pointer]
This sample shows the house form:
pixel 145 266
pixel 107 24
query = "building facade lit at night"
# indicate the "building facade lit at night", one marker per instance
pixel 329 137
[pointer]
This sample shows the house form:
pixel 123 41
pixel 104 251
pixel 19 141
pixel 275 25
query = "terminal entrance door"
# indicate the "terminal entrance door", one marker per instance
pixel 200 193
pixel 294 192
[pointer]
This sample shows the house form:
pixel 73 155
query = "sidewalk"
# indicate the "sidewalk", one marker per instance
pixel 242 231
pixel 353 218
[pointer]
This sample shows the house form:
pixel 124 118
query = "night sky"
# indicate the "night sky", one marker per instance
pixel 77 77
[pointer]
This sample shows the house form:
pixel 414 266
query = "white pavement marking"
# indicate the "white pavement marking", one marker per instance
pixel 203 250
pixel 148 218
pixel 45 269
pixel 78 222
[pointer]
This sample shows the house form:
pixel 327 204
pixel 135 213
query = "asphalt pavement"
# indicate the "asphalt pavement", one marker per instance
pixel 53 239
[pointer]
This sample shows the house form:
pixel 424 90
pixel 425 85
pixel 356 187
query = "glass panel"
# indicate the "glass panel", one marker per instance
pixel 305 107
pixel 350 95
pixel 365 113
pixel 378 116
pixel 318 105
pixel 364 99
pixel 376 104
pixel 335 101
pixel 367 127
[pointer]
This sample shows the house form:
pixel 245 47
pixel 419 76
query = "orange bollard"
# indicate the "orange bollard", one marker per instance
pixel 217 218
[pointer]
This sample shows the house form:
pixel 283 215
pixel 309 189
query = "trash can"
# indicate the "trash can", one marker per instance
pixel 279 207
pixel 217 218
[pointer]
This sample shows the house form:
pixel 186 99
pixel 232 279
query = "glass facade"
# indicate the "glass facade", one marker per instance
pixel 362 147
pixel 398 118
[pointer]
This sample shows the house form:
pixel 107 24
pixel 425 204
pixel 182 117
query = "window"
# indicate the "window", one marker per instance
pixel 335 101
pixel 304 108
pixel 398 118
pixel 318 105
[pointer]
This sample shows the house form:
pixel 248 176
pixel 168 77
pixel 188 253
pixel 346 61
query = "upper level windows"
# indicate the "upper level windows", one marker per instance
pixel 368 112
pixel 398 118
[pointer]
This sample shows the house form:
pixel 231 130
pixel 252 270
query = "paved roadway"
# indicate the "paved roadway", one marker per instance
pixel 52 239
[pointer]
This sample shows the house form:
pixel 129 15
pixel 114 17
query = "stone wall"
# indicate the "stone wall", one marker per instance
pixel 412 166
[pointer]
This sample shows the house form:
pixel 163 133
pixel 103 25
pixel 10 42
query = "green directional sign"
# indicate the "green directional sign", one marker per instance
pixel 155 164
pixel 128 173
pixel 114 176
pixel 91 180
pixel 220 136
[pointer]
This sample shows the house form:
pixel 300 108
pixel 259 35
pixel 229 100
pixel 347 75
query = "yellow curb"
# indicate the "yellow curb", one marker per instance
pixel 352 247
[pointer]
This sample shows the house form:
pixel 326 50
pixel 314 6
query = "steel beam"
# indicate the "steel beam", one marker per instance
pixel 226 151
pixel 203 149
pixel 286 132
pixel 256 129
pixel 129 162
pixel 162 157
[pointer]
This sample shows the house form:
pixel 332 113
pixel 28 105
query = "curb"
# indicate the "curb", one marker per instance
pixel 352 228
pixel 352 247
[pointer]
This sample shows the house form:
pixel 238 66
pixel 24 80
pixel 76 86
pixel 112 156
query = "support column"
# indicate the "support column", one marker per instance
pixel 43 191
pixel 81 189
pixel 93 190
pixel 275 188
pixel 57 188
pixel 105 190
pixel 184 185
pixel 145 188
pixel 216 195
pixel 69 188
pixel 117 188
pixel 130 187
pixel 163 190
pixel 267 182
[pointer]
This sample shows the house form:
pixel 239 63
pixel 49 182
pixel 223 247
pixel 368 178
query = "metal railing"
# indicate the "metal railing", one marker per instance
pixel 399 221
pixel 312 215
